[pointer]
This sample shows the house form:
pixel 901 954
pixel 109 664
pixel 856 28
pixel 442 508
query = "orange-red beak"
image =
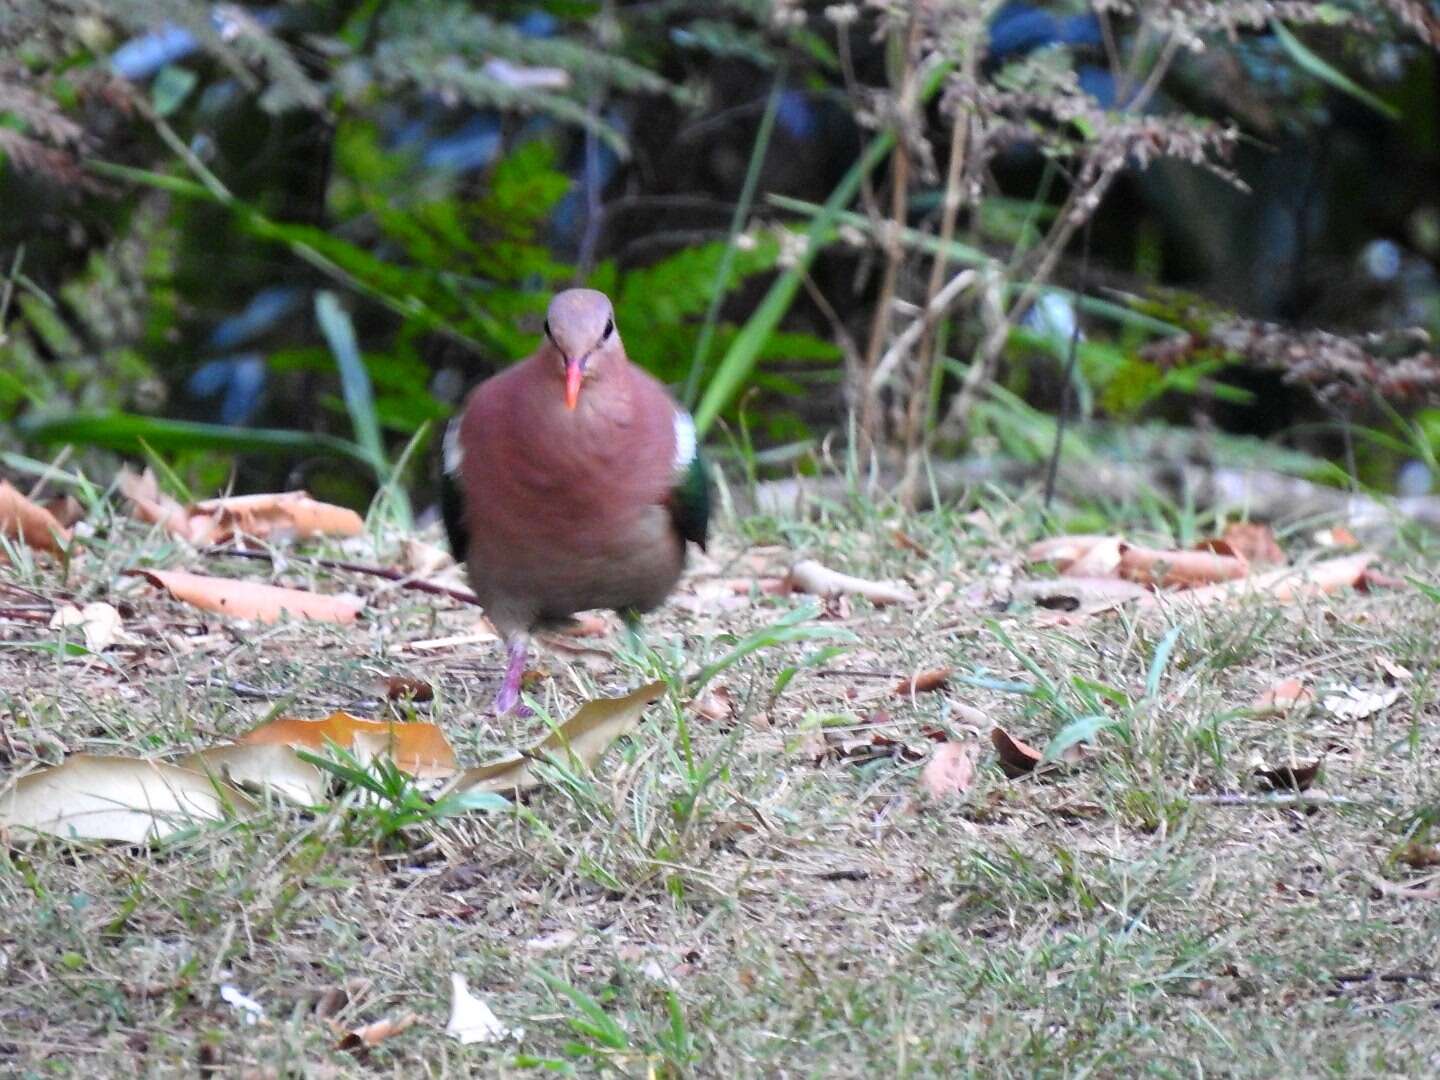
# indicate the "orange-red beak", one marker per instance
pixel 574 373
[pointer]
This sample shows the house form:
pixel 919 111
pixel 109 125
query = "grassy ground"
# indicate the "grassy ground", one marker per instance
pixel 744 895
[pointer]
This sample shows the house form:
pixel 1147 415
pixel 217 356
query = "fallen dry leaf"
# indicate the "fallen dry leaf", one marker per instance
pixel 153 506
pixel 99 622
pixel 584 738
pixel 262 766
pixel 1285 695
pixel 1016 758
pixel 65 509
pixel 906 542
pixel 1420 856
pixel 253 600
pixel 950 770
pixel 276 516
pixel 1357 703
pixel 368 1035
pixel 1392 670
pixel 809 576
pixel 1064 550
pixel 1155 566
pixel 1373 580
pixel 419 749
pixel 1255 543
pixel 716 705
pixel 471 1020
pixel 112 798
pixel 31 525
pixel 1289 777
pixel 408 688
pixel 1102 560
pixel 1078 593
pixel 554 941
pixel 923 682
pixel 586 624
pixel 422 559
pixel 1285 584
pixel 1338 537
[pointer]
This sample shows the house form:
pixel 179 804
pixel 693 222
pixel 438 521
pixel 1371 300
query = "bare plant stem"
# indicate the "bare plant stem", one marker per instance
pixel 919 403
pixel 894 250
pixel 1081 204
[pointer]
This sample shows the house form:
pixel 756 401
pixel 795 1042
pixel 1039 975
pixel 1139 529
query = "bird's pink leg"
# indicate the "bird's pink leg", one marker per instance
pixel 508 699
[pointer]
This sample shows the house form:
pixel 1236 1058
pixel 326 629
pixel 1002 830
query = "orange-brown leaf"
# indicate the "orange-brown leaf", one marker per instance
pixel 1284 584
pixel 923 682
pixel 157 508
pixel 32 525
pixel 419 748
pixel 1255 543
pixel 950 770
pixel 1154 566
pixel 253 600
pixel 1064 550
pixel 368 1035
pixel 1285 695
pixel 408 687
pixel 1016 758
pixel 287 515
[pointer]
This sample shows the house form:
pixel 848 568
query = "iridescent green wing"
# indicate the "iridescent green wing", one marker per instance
pixel 690 497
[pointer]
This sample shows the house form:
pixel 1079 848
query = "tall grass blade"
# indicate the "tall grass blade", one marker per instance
pixel 1308 61
pixel 737 223
pixel 740 359
pixel 128 433
pixel 339 334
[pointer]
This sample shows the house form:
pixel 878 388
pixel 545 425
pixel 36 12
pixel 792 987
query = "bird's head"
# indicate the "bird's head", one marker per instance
pixel 581 337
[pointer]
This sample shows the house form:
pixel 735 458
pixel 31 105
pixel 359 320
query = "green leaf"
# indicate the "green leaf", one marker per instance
pixel 171 87
pixel 1159 662
pixel 126 432
pixel 1077 731
pixel 1323 71
pixel 339 333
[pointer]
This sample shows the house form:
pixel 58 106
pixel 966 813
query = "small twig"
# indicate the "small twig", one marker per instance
pixel 1384 976
pixel 1400 892
pixel 1281 799
pixel 37 491
pixel 405 581
pixel 939 306
pixel 1072 353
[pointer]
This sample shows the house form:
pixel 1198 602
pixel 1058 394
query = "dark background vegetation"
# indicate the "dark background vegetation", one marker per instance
pixel 267 242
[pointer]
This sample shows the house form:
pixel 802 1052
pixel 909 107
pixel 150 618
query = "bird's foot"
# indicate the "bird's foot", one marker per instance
pixel 508 703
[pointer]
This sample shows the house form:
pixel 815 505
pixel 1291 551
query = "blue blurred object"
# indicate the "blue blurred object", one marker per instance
pixel 1053 315
pixel 265 309
pixel 1020 28
pixel 473 145
pixel 796 114
pixel 242 379
pixel 141 57
pixel 596 168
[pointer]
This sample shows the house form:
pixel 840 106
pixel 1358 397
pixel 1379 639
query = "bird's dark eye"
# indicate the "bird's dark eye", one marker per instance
pixel 609 329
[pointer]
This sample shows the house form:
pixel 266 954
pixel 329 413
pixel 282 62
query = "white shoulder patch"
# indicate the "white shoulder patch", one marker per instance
pixel 684 440
pixel 454 455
